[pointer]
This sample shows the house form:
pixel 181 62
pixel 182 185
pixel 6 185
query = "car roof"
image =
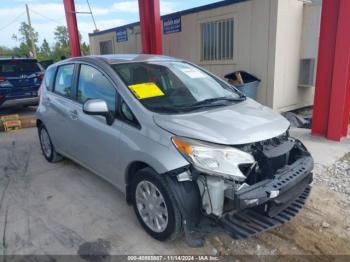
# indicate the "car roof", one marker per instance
pixel 124 58
pixel 17 59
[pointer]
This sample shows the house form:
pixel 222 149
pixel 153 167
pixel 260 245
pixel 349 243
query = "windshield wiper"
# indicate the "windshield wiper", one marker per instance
pixel 166 109
pixel 210 102
pixel 214 101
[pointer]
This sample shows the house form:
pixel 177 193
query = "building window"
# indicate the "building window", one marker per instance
pixel 307 72
pixel 106 47
pixel 217 40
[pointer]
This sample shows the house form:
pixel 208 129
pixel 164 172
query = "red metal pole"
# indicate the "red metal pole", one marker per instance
pixel 72 27
pixel 326 51
pixel 339 112
pixel 150 23
pixel 332 95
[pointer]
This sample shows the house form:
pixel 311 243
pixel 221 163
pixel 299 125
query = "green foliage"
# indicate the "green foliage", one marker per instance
pixel 46 51
pixel 61 36
pixel 85 49
pixel 25 43
pixel 4 51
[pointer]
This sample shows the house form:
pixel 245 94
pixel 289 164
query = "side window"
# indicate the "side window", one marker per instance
pixel 94 85
pixel 49 74
pixel 64 79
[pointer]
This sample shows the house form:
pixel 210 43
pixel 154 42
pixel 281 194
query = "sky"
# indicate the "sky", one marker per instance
pixel 47 14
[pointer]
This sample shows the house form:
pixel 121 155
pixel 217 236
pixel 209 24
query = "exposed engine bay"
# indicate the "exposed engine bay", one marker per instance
pixel 280 173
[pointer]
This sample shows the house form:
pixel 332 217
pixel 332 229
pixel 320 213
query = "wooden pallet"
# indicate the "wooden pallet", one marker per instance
pixel 11 122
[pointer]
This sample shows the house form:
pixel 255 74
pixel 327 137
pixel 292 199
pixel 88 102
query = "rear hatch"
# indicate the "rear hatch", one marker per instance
pixel 20 77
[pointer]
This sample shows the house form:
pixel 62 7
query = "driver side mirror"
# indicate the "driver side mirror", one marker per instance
pixel 98 107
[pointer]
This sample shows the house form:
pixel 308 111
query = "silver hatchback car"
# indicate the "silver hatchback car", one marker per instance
pixel 191 153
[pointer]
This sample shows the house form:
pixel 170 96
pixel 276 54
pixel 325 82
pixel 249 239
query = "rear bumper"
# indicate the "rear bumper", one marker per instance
pixel 9 94
pixel 20 101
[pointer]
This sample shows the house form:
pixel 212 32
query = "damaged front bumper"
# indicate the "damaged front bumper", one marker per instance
pixel 278 192
pixel 259 207
pixel 251 221
pixel 248 209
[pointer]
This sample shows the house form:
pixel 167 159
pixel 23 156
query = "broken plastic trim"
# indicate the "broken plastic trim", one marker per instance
pixel 250 222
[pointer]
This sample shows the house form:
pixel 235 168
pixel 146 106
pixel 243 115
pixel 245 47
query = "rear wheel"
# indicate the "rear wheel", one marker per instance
pixel 155 206
pixel 47 147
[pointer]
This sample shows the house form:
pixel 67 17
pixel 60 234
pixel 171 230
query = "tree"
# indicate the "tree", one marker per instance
pixel 61 46
pixel 4 51
pixel 85 49
pixel 61 36
pixel 26 45
pixel 45 52
pixel 54 52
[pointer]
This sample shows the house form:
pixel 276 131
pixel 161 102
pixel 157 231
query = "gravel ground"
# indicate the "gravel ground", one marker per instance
pixel 336 176
pixel 63 209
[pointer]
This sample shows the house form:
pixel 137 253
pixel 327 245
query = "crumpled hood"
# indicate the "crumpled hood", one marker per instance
pixel 241 123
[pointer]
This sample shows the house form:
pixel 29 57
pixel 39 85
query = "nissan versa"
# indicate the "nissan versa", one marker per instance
pixel 191 153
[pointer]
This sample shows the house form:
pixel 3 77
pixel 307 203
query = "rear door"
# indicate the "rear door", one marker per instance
pixel 94 143
pixel 58 105
pixel 23 76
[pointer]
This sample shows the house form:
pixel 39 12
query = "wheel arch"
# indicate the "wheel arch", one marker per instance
pixel 130 174
pixel 39 123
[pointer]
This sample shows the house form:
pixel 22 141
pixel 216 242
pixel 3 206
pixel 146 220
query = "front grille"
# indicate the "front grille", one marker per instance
pixel 271 155
pixel 275 141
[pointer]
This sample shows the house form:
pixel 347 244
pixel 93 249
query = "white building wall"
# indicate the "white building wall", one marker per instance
pixel 287 54
pixel 251 40
pixel 309 45
pixel 267 43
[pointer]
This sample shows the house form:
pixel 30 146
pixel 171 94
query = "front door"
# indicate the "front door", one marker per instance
pixel 94 143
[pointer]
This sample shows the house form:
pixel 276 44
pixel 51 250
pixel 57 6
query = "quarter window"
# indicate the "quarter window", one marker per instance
pixel 64 79
pixel 94 85
pixel 48 78
pixel 217 40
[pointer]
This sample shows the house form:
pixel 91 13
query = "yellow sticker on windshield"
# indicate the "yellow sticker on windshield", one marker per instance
pixel 146 90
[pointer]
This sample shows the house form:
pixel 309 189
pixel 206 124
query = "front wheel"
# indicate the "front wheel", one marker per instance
pixel 155 205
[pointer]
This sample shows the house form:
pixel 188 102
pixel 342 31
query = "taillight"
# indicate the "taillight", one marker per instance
pixel 41 77
pixel 4 82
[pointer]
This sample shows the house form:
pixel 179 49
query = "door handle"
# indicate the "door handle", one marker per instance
pixel 46 101
pixel 73 114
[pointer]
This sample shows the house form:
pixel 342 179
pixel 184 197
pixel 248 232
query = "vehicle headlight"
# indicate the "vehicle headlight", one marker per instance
pixel 213 159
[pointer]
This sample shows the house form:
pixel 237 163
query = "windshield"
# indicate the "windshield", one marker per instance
pixel 175 86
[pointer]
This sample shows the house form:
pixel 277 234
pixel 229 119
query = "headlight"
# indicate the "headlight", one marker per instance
pixel 212 158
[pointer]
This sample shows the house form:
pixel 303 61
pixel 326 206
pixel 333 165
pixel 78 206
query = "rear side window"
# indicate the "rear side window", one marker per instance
pixel 19 67
pixel 49 74
pixel 94 85
pixel 64 79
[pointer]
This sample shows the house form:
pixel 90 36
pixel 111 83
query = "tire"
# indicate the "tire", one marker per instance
pixel 168 231
pixel 47 147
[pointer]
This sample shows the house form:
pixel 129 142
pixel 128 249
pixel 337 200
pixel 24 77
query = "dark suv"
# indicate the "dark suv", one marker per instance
pixel 20 79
